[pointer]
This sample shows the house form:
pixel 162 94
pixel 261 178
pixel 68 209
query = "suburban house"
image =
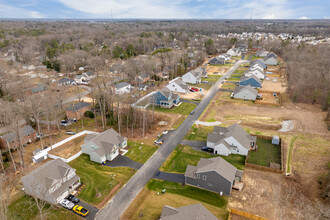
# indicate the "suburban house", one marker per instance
pixel 39 88
pixel 217 61
pixel 270 59
pixel 213 174
pixel 234 52
pixel 259 62
pixel 260 74
pixel 27 135
pixel 143 78
pixel 81 79
pixel 76 111
pixel 66 81
pixel 262 53
pixel 122 87
pixel 252 81
pixel 195 212
pixel 194 76
pixel 256 66
pixel 165 98
pixel 177 85
pixel 242 48
pixel 143 87
pixel 104 146
pixel 51 182
pixel 245 92
pixel 231 140
pixel 89 75
pixel 256 48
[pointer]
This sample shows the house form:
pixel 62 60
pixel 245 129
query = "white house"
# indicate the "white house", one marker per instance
pixel 233 52
pixel 245 93
pixel 177 85
pixel 81 79
pixel 257 73
pixel 194 76
pixel 122 88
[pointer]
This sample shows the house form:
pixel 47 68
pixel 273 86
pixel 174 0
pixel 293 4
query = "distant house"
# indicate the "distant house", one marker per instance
pixel 89 75
pixel 76 111
pixel 122 87
pixel 66 81
pixel 260 74
pixel 252 81
pixel 143 78
pixel 40 88
pixel 270 59
pixel 242 48
pixel 177 85
pixel 27 135
pixel 256 66
pixel 194 76
pixel 217 61
pixel 258 62
pixel 51 182
pixel 262 53
pixel 81 79
pixel 231 140
pixel 213 174
pixel 143 87
pixel 193 212
pixel 256 48
pixel 104 146
pixel 165 98
pixel 234 52
pixel 245 92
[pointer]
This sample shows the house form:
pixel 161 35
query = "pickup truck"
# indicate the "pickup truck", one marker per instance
pixel 80 210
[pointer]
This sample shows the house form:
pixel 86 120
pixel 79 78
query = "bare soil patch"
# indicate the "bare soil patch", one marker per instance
pixel 70 148
pixel 278 86
pixel 194 95
pixel 217 69
pixel 268 98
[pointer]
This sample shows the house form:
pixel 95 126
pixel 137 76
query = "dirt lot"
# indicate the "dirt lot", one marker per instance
pixel 217 69
pixel 69 148
pixel 268 98
pixel 194 95
pixel 269 85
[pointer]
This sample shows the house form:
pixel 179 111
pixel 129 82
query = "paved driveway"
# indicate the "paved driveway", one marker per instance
pixel 92 210
pixel 196 145
pixel 122 161
pixel 120 202
pixel 171 177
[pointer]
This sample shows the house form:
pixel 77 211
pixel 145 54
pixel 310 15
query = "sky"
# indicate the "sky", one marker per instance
pixel 166 9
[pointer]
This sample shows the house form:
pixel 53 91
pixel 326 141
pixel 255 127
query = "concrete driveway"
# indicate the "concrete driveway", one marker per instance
pixel 132 188
pixel 196 145
pixel 171 177
pixel 122 161
pixel 92 210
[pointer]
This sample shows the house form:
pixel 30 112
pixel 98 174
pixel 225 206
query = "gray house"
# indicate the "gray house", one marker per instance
pixel 270 60
pixel 52 182
pixel 103 146
pixel 214 174
pixel 195 212
pixel 231 140
pixel 245 92
pixel 217 61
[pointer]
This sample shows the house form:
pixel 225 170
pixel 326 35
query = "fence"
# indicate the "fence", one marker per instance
pixel 136 104
pixel 64 159
pixel 269 103
pixel 244 214
pixel 263 168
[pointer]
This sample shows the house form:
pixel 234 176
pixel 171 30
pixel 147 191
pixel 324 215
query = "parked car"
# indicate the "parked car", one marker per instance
pixel 39 135
pixel 192 112
pixel 195 89
pixel 159 142
pixel 165 132
pixel 72 198
pixel 64 123
pixel 208 149
pixel 67 204
pixel 70 132
pixel 191 90
pixel 80 210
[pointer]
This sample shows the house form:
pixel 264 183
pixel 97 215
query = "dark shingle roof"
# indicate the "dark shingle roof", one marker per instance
pixel 190 212
pixel 78 106
pixel 121 85
pixel 23 132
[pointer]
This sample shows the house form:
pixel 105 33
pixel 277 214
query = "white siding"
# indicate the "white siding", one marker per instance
pixel 190 78
pixel 221 150
pixel 245 94
pixel 175 87
pixel 112 156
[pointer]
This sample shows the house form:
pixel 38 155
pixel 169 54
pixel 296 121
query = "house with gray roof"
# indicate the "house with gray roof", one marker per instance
pixel 262 53
pixel 122 87
pixel 270 59
pixel 104 146
pixel 231 140
pixel 217 61
pixel 52 181
pixel 39 88
pixel 66 81
pixel 260 74
pixel 76 111
pixel 177 85
pixel 194 212
pixel 194 76
pixel 165 98
pixel 259 62
pixel 213 174
pixel 27 135
pixel 251 81
pixel 81 79
pixel 245 93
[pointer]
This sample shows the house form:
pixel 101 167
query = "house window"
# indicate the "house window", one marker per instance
pixel 198 176
pixel 204 177
pixel 237 150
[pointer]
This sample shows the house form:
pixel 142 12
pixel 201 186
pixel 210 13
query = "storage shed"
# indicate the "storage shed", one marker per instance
pixel 276 140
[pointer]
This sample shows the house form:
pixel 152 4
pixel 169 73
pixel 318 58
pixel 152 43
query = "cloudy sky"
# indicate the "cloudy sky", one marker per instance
pixel 180 9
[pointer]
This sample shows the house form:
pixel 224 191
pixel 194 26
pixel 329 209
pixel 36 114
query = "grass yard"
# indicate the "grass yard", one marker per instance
pixel 210 79
pixel 183 109
pixel 225 96
pixel 240 71
pixel 198 133
pixel 140 152
pixel 237 75
pixel 233 79
pixel 99 180
pixel 226 85
pixel 203 86
pixel 25 208
pixel 183 155
pixel 148 205
pixel 267 153
pixel 215 76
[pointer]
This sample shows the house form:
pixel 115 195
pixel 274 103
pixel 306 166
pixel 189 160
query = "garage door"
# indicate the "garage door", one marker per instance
pixel 65 194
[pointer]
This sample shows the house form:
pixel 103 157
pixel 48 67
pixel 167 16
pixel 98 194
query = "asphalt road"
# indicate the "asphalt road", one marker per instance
pixel 121 201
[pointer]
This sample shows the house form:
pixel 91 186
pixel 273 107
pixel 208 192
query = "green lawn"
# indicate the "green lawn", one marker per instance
pixel 288 167
pixel 233 79
pixel 99 180
pixel 237 75
pixel 184 108
pixel 204 196
pixel 215 76
pixel 183 156
pixel 240 71
pixel 226 85
pixel 25 208
pixel 198 133
pixel 266 153
pixel 202 86
pixel 140 152
pixel 210 79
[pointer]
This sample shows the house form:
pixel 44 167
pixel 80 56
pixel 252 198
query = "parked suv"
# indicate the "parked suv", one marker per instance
pixel 67 204
pixel 72 198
